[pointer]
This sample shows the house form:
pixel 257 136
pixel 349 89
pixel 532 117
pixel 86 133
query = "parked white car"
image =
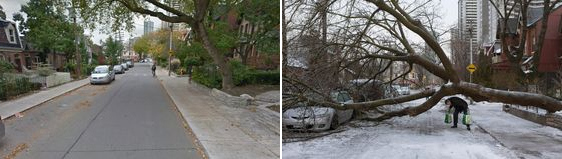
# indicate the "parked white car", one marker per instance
pixel 404 90
pixel 102 74
pixel 316 118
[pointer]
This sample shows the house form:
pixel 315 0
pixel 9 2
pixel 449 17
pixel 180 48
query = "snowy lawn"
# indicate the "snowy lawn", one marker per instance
pixel 424 136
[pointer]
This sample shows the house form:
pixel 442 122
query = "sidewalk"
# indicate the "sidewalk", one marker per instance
pixel 11 107
pixel 224 132
pixel 528 139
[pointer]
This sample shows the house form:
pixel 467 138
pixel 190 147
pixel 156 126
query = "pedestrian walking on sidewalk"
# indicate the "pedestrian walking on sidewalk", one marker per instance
pixel 190 72
pixel 460 106
pixel 153 70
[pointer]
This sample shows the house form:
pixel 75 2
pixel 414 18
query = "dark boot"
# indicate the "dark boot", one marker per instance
pixel 454 126
pixel 468 127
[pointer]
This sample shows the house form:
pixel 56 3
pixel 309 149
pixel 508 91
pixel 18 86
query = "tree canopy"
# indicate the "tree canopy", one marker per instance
pixel 113 49
pixel 373 34
pixel 47 27
pixel 202 16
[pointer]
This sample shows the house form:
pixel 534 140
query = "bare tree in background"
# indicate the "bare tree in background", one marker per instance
pixel 356 32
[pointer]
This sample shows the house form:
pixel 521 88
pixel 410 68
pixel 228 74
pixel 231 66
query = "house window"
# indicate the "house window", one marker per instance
pixel 12 36
pixel 2 58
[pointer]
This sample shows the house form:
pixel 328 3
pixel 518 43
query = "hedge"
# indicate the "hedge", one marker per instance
pixel 10 87
pixel 209 76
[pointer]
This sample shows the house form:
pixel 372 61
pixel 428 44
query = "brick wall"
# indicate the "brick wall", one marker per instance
pixel 554 120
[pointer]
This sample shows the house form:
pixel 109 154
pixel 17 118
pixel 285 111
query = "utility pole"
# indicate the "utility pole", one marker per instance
pixel 470 30
pixel 78 69
pixel 170 50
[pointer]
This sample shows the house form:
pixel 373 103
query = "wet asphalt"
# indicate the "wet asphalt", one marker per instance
pixel 132 117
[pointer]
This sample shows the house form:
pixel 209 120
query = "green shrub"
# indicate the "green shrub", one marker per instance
pixel 265 77
pixel 87 69
pixel 13 86
pixel 5 66
pixel 69 66
pixel 245 76
pixel 45 71
pixel 207 75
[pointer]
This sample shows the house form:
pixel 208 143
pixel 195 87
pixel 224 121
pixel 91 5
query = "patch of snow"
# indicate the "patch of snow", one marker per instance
pixel 427 136
pixel 423 136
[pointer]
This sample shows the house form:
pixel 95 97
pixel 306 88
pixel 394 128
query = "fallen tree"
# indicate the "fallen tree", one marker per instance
pixel 359 32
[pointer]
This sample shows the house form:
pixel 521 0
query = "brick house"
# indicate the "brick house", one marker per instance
pixel 10 44
pixel 550 57
pixel 551 47
pixel 254 59
pixel 20 53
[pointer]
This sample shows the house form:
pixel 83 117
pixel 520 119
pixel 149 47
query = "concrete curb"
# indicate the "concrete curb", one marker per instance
pixel 10 108
pixel 230 100
pixel 269 115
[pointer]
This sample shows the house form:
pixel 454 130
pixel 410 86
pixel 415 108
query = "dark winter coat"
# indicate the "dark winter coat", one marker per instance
pixel 458 103
pixel 153 67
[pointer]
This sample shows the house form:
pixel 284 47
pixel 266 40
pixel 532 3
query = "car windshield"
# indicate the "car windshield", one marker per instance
pixel 343 97
pixel 101 70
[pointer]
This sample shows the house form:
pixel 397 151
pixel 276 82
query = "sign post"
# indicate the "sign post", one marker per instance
pixel 471 68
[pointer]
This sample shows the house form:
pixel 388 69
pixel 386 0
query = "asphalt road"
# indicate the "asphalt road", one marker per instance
pixel 132 117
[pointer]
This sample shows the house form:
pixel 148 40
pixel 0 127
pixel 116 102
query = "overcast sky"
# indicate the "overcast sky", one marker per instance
pixel 14 6
pixel 449 7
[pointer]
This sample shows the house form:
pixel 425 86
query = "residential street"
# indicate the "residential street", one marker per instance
pixel 494 134
pixel 133 117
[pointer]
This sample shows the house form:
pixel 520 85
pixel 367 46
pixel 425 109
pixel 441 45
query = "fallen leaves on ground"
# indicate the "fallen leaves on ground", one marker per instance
pixel 16 150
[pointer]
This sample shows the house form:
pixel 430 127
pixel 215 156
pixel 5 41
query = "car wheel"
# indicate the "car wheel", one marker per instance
pixel 335 122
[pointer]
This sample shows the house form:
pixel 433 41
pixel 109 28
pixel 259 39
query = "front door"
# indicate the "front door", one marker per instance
pixel 18 64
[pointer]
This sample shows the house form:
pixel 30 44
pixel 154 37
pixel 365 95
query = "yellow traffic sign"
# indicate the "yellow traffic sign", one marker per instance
pixel 471 68
pixel 171 52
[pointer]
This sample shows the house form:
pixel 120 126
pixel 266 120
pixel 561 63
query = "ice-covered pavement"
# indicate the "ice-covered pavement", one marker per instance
pixel 527 139
pixel 426 136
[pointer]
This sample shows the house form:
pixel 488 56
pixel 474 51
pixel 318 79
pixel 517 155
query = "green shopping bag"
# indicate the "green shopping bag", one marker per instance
pixel 466 119
pixel 448 117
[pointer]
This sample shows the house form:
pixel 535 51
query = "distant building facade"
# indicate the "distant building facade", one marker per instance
pixel 148 26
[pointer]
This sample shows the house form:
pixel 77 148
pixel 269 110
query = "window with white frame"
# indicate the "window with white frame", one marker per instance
pixel 11 34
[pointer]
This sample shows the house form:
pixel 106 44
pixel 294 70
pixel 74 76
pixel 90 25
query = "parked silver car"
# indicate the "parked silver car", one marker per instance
pixel 130 63
pixel 118 69
pixel 102 74
pixel 316 118
pixel 125 66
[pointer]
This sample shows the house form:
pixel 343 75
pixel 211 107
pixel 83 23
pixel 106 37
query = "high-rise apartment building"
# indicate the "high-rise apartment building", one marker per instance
pixel 468 17
pixel 176 26
pixel 148 26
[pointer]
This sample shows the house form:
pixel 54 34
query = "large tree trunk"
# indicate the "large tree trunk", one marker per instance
pixel 218 58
